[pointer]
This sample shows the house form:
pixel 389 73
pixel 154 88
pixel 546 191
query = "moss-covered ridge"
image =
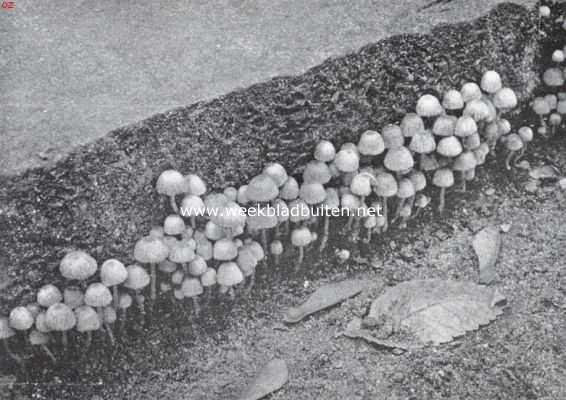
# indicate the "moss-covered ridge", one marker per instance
pixel 101 197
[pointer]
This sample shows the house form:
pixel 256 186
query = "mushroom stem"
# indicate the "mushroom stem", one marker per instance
pixel 141 307
pixel 287 227
pixel 49 353
pixel 110 334
pixel 417 212
pixel 463 177
pixel 300 259
pixel 368 238
pixel 88 340
pixel 231 293
pixel 153 294
pixel 196 305
pixel 356 229
pixel 386 224
pixel 64 340
pixel 122 322
pixel 350 222
pixel 276 232
pixel 508 159
pixel 276 259
pixel 19 360
pixel 264 240
pixel 520 154
pixel 441 200
pixel 173 204
pixel 325 231
pixel 115 296
pixel 194 221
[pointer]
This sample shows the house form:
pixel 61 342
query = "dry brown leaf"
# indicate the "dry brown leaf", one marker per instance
pixel 430 311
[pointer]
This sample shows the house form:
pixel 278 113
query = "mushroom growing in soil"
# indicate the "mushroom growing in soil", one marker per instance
pixel 399 160
pixel 470 91
pixel 393 136
pixel 59 317
pixel 553 77
pixel 421 202
pixel 192 206
pixel 541 108
pixel 78 265
pixel 554 120
pixel 513 144
pixel 197 266
pixel 109 318
pixel 313 194
pixel 6 332
pixel 228 276
pixel 526 134
pixel 385 187
pixel 505 99
pixel 347 160
pixel 171 183
pixel 88 321
pixel 452 101
pixel 174 225
pixel 112 274
pixel 350 202
pixel 443 178
pixel 422 143
pixel 276 249
pixel 370 223
pixel 225 250
pixel 98 296
pixel 371 144
pixel 300 237
pixel 331 201
pixel 151 250
pixel 324 151
pixel 21 319
pixel 466 161
pixel 405 192
pixel 428 107
pixel 48 295
pixel 124 302
pixel 277 173
pixel 418 180
pixel 192 288
pixel 262 223
pixel 137 280
pixel 449 146
pixel 208 280
pixel 37 338
pixel 316 172
pixel 491 82
pixel 73 297
pixel 247 263
pixel 404 214
pixel 411 124
pixel 361 187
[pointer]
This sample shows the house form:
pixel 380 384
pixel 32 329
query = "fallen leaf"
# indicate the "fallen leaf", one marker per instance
pixel 487 244
pixel 324 297
pixel 271 377
pixel 544 172
pixel 430 311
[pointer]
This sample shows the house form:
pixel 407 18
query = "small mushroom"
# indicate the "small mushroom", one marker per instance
pixel 444 125
pixel 300 237
pixel 422 143
pixel 112 274
pixel 361 186
pixel 399 160
pixel 150 250
pixel 290 190
pixel 421 202
pixel 78 265
pixel 477 109
pixel 370 144
pixel 465 126
pixel 37 338
pixel 262 222
pixel 276 249
pixel 453 101
pixel 192 288
pixel 332 201
pixel 393 136
pixel 491 82
pixel 385 187
pixel 553 77
pixel 443 178
pixel 526 134
pixel 227 276
pixel 554 120
pixel 351 203
pixel 21 319
pixel 277 173
pixel 124 302
pixel 466 161
pixel 262 189
pixel 88 320
pixel 109 318
pixel 428 107
pixel 98 296
pixel 317 172
pixel 48 295
pixel 404 214
pixel 324 151
pixel 558 56
pixel 137 280
pixel 411 124
pixel 449 146
pixel 505 99
pixel 195 185
pixel 541 108
pixel 174 225
pixel 405 192
pixel 6 332
pixel 208 280
pixel 171 183
pixel 347 160
pixel 197 266
pixel 225 250
pixel 513 144
pixel 247 262
pixel 470 91
pixel 59 317
pixel 192 206
pixel 370 223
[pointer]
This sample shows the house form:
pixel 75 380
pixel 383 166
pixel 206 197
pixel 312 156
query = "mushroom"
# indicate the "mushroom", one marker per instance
pixel 282 213
pixel 526 135
pixel 466 161
pixel 197 266
pixel 491 82
pixel 204 246
pixel 422 143
pixel 428 107
pixel 276 249
pixel 553 77
pixel 370 144
pixel 472 142
pixel 411 124
pixel 256 248
pixel 393 136
pixel 541 108
pixel 247 262
pixel 174 225
pixel 443 178
pixel 324 151
pixel 418 180
pixel 109 318
pixel 208 279
pixel 78 265
pixel 544 11
pixel 195 185
pixel 361 186
pixel 347 160
pixel 312 194
pixel 21 319
pixel 444 125
pixel 481 153
pixel 385 187
pixel 477 109
pixel 59 317
pixel 37 338
pixel 513 144
pixel 299 212
pixel 277 173
pixel 405 192
pixel 149 250
pixel 370 224
pixel 225 250
pixel 351 203
pixel 98 296
pixel 290 190
pixel 316 172
pixel 300 237
pixel 262 189
pixel 48 295
pixel 6 332
pixel 332 201
pixel 554 120
pixel 399 160
pixel 449 146
pixel 171 183
pixel 192 288
pixel 124 302
pixel 242 198
pixel 227 276
pixel 470 91
pixel 231 219
pixel 88 320
pixel 73 297
pixel 192 206
pixel 136 281
pixel 505 99
pixel 465 126
pixel 453 101
pixel 262 222
pixel 112 274
pixel 558 56
pixel 404 214
pixel 421 201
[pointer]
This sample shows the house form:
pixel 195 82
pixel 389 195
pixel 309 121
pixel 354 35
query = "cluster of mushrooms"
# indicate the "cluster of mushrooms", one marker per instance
pixel 551 107
pixel 194 251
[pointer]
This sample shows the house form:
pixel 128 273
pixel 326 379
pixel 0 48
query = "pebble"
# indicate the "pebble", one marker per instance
pixel 490 191
pixel 505 228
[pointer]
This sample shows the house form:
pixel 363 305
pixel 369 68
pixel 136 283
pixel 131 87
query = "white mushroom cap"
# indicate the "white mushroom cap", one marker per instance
pixel 21 318
pixel 113 272
pixel 97 295
pixel 171 183
pixel 491 82
pixel 48 295
pixel 429 106
pixel 77 265
pixel 195 185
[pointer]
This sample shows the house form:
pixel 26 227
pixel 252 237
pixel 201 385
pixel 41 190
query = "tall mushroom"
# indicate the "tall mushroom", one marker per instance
pixel 324 151
pixel 276 249
pixel 6 332
pixel 513 144
pixel 137 280
pixel 192 288
pixel 112 274
pixel 208 279
pixel 443 178
pixel 59 317
pixel 98 296
pixel 385 187
pixel 171 183
pixel 78 265
pixel 247 262
pixel 228 276
pixel 466 161
pixel 192 206
pixel 151 250
pixel 37 338
pixel 332 201
pixel 88 321
pixel 300 237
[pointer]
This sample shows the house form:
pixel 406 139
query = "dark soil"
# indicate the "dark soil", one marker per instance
pixel 101 199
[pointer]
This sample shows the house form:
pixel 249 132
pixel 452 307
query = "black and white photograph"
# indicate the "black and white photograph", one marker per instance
pixel 283 200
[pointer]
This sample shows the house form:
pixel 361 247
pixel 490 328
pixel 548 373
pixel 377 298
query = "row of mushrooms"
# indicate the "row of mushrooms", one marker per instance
pixel 210 239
